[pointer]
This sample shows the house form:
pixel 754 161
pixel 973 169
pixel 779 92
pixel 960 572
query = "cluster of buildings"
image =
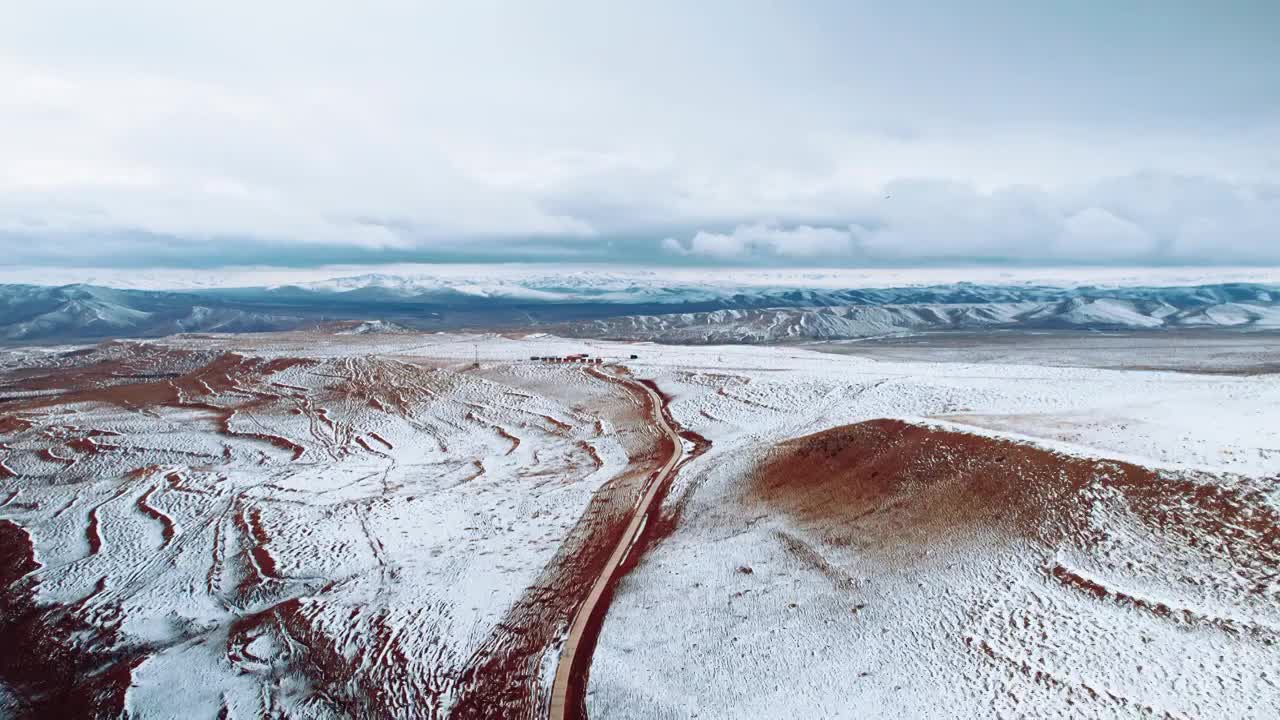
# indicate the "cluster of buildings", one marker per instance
pixel 578 358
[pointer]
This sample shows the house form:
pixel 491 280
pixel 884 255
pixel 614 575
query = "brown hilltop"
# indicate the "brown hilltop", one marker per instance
pixel 885 484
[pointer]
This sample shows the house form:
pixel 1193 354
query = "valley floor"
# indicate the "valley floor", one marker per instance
pixel 1217 351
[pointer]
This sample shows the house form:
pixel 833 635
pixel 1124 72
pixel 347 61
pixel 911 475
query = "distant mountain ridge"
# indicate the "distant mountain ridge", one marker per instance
pixel 583 306
pixel 772 325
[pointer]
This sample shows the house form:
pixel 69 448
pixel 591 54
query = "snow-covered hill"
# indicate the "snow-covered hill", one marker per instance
pixel 75 312
pixel 767 325
pixel 620 306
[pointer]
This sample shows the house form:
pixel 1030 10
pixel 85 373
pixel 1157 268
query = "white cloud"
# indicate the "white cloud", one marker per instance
pixel 802 242
pixel 1097 234
pixel 405 128
pixel 1147 217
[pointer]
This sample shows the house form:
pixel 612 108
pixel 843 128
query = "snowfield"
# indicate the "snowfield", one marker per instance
pixel 338 535
pixel 391 523
pixel 826 603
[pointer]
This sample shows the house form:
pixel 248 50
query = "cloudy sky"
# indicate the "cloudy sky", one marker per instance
pixel 799 133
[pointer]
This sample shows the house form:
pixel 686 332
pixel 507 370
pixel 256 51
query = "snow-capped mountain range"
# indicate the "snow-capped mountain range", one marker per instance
pixel 681 308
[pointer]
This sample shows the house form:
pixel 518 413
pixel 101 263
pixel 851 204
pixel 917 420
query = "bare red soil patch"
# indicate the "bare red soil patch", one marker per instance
pixel 44 675
pixel 884 484
pixel 11 425
pixel 229 372
pixel 379 438
pixel 144 504
pixel 88 446
pixel 249 520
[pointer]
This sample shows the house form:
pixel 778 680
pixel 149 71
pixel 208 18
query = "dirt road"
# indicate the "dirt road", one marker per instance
pixel 575 655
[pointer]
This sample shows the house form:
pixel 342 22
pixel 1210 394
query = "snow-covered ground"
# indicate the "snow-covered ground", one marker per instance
pixel 338 524
pixel 340 533
pixel 747 394
pixel 767 613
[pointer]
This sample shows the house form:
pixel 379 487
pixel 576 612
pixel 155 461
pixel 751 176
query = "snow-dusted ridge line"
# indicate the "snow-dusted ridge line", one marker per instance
pixel 664 309
pixel 1072 449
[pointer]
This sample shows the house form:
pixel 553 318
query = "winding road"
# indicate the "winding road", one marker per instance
pixel 575 655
